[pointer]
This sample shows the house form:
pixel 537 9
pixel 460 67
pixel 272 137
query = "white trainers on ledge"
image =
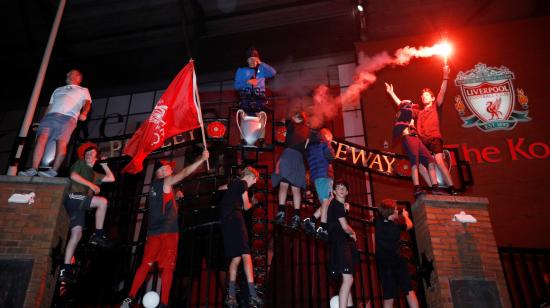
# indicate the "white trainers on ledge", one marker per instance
pixel 50 173
pixel 28 172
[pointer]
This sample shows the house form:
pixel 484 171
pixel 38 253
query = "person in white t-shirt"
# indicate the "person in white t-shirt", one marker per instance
pixel 68 104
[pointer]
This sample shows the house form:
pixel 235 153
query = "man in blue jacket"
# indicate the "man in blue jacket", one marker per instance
pixel 250 82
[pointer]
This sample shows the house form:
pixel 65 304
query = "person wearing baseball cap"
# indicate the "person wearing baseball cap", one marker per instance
pixel 83 197
pixel 161 245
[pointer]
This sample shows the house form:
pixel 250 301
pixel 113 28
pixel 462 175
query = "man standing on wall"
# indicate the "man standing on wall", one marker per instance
pixel 68 104
pixel 427 125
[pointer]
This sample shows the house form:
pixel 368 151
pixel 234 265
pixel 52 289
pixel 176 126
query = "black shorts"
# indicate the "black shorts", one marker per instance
pixel 235 236
pixel 76 206
pixel 416 151
pixel 435 145
pixel 394 276
pixel 343 257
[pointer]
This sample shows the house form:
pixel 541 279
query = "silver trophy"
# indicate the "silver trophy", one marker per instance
pixel 251 127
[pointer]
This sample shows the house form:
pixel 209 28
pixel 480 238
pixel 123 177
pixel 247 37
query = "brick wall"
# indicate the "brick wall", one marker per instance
pixel 459 251
pixel 29 232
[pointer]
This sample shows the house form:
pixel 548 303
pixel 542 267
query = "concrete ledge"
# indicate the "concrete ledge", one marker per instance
pixel 33 180
pixel 451 201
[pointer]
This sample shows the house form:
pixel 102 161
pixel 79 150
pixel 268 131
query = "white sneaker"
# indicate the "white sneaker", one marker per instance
pixel 127 303
pixel 28 172
pixel 50 173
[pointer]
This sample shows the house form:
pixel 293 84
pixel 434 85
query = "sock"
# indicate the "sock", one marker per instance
pixel 297 212
pixel 252 290
pixel 99 232
pixel 313 219
pixel 281 208
pixel 232 290
pixel 166 280
pixel 141 274
pixel 324 225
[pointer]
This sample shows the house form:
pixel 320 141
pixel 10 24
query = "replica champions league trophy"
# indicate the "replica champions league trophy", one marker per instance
pixel 251 127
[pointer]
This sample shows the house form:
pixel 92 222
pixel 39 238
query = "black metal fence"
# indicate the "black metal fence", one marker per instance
pixel 527 273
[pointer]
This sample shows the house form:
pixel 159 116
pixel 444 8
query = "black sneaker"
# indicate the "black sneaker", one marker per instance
pixel 255 301
pixel 280 218
pixel 309 226
pixel 295 222
pixel 261 142
pixel 230 301
pixel 100 241
pixel 451 190
pixel 322 233
pixel 126 303
pixel 418 192
pixel 439 191
pixel 66 276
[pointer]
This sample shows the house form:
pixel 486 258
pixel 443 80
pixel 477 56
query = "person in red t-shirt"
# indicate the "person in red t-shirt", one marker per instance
pixel 161 245
pixel 427 125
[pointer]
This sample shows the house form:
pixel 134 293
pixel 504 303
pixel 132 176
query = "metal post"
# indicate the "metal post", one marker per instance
pixel 31 108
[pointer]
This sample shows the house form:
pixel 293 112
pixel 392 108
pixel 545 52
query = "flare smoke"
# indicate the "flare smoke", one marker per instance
pixel 325 105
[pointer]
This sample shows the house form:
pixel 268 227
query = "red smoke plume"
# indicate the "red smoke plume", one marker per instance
pixel 325 105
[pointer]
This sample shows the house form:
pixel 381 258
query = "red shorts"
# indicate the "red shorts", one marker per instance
pixel 162 248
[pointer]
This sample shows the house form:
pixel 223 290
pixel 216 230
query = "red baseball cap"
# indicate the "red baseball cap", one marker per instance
pixel 85 147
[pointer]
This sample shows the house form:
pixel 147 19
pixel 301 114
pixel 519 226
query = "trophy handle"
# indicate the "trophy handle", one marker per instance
pixel 263 121
pixel 238 116
pixel 447 159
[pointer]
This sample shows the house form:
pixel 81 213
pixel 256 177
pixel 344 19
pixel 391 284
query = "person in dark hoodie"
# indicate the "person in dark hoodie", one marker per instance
pixel 319 156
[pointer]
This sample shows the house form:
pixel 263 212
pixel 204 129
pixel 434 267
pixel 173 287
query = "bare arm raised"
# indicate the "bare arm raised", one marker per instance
pixel 173 179
pixel 389 89
pixel 443 89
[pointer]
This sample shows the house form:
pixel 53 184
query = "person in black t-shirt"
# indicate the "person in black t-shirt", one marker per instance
pixel 392 268
pixel 342 238
pixel 161 245
pixel 235 236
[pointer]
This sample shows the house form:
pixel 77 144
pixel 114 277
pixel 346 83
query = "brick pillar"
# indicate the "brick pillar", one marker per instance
pixel 467 269
pixel 28 234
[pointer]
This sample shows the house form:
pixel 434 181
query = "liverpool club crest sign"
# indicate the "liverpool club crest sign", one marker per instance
pixel 490 96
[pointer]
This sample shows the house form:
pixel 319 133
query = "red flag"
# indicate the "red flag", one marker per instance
pixel 175 112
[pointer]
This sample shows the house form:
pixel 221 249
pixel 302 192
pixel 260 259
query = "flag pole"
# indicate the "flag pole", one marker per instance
pixel 198 106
